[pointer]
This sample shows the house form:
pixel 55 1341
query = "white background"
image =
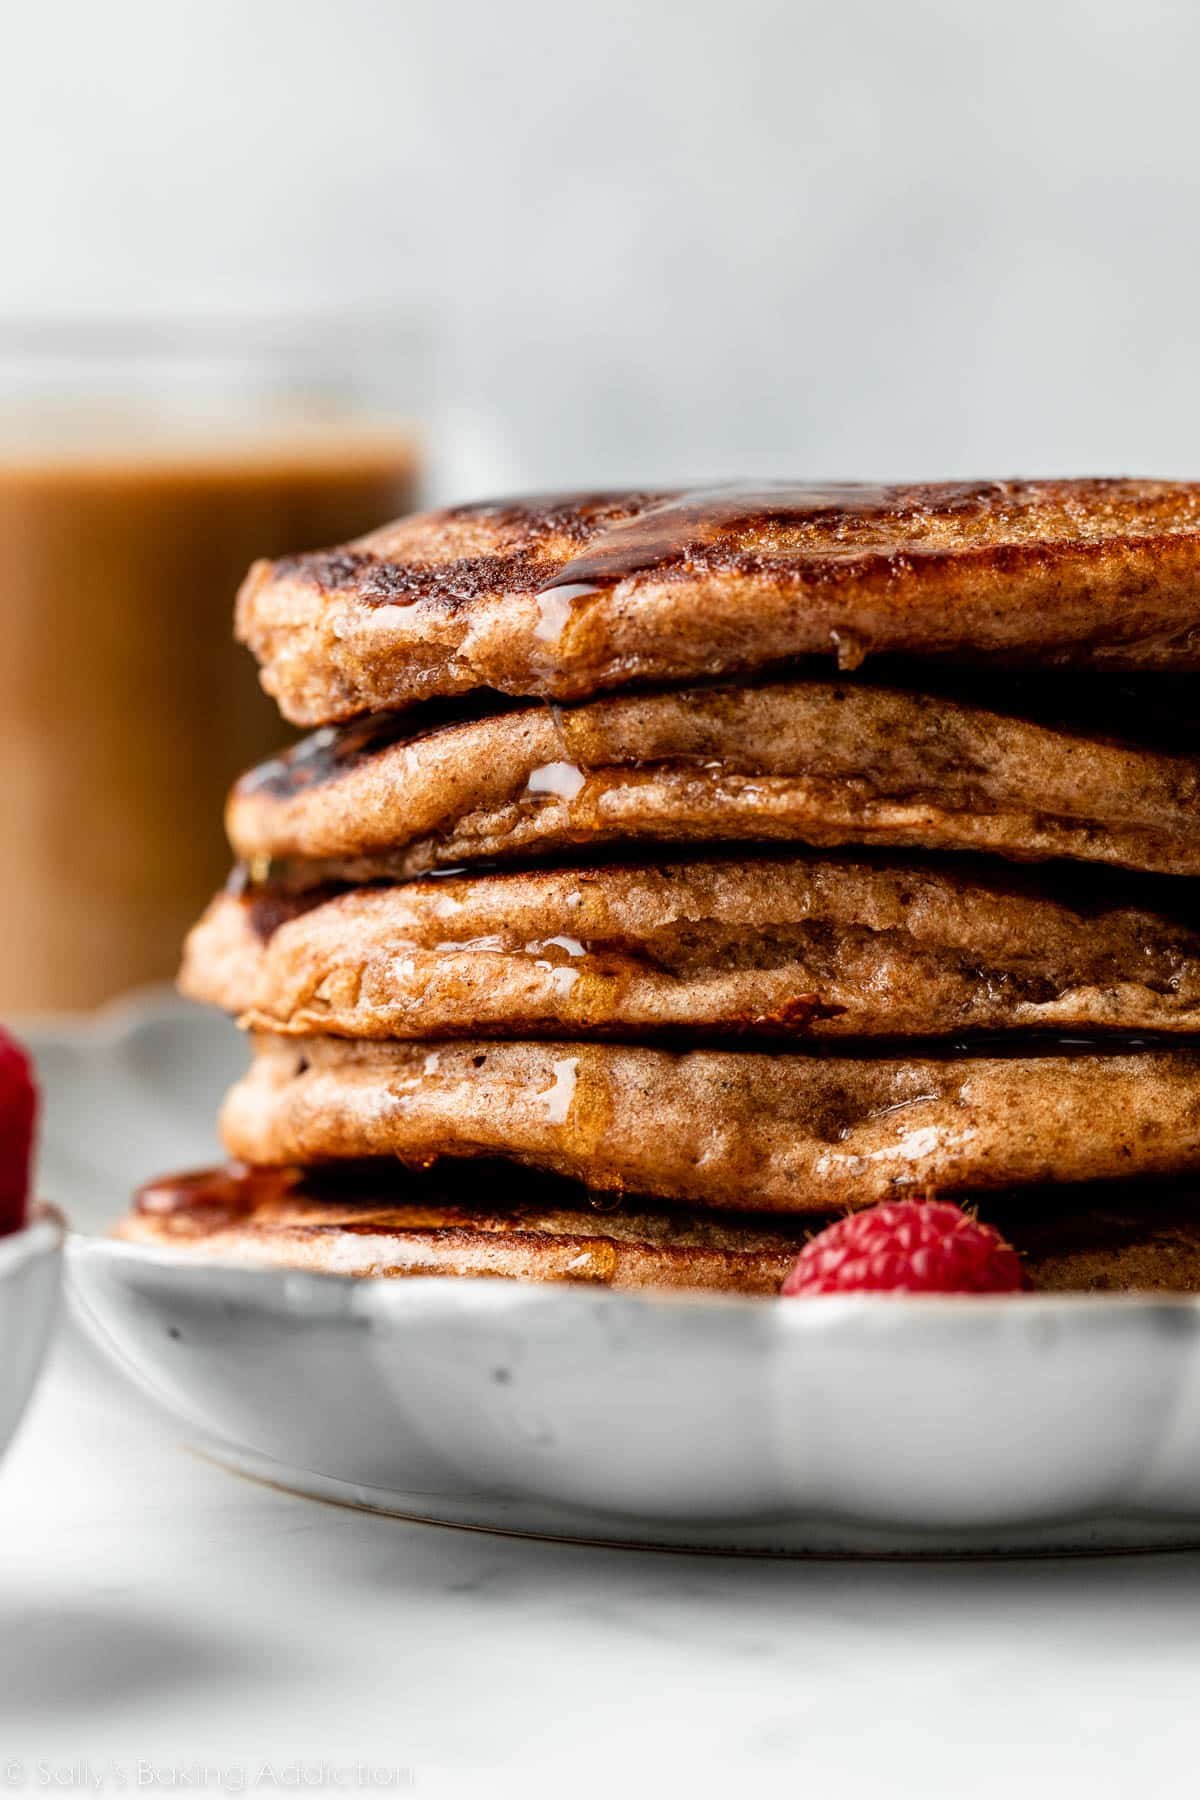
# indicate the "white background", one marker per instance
pixel 655 238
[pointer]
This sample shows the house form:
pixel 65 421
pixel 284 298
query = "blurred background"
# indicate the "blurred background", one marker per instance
pixel 453 250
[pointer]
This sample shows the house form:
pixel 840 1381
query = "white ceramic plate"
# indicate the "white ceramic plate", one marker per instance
pixel 30 1278
pixel 859 1425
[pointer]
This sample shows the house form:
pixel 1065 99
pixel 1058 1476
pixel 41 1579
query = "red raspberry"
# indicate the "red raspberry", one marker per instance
pixel 907 1247
pixel 18 1112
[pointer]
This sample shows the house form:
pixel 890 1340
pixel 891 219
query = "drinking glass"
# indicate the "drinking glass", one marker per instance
pixel 142 468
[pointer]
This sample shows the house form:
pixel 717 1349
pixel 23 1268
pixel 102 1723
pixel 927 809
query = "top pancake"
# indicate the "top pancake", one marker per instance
pixel 565 596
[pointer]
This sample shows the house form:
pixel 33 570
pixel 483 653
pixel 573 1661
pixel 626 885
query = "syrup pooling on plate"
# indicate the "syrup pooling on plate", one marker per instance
pixel 206 1200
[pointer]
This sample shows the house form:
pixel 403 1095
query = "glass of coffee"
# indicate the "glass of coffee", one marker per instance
pixel 142 468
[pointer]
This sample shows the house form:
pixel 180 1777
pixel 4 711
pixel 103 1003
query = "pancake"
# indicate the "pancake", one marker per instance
pixel 451 1227
pixel 815 762
pixel 564 596
pixel 748 1131
pixel 816 947
pixel 1106 1239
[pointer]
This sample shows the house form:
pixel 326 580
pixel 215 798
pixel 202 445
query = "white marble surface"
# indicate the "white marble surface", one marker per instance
pixel 158 1610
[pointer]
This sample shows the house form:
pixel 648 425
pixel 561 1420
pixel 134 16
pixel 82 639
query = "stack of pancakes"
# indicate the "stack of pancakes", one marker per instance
pixel 673 870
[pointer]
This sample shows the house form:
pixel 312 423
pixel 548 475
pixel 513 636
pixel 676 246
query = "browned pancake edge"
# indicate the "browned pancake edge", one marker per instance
pixel 677 585
pixel 802 947
pixel 1111 1238
pixel 820 763
pixel 725 1129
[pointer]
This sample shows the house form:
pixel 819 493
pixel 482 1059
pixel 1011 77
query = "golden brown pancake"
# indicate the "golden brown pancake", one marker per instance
pixel 754 1132
pixel 818 947
pixel 493 1222
pixel 566 595
pixel 456 1227
pixel 815 762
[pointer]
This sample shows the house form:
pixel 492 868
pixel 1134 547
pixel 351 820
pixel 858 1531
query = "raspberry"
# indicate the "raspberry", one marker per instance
pixel 907 1247
pixel 18 1111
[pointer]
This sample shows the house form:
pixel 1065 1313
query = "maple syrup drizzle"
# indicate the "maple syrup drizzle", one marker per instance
pixel 704 520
